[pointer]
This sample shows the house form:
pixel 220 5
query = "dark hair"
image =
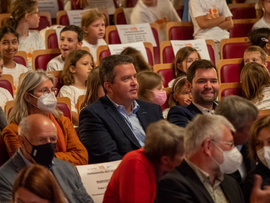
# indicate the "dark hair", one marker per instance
pixel 106 67
pixel 40 181
pixel 18 11
pixel 7 29
pixel 74 28
pixel 180 56
pixel 200 64
pixel 139 62
pixel 259 37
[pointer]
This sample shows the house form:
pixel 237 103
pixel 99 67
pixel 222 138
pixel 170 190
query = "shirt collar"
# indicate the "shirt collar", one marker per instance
pixel 203 109
pixel 134 106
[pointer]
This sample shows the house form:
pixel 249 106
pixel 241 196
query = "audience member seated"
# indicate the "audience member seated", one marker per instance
pixel 259 150
pixel 24 15
pixel 202 79
pixel 71 38
pixel 3 120
pixel 154 11
pixel 94 89
pixel 241 113
pixel 255 54
pixel 183 59
pixel 150 87
pixel 135 178
pixel 260 37
pixel 9 40
pixel 211 19
pixel 255 80
pixel 210 154
pixel 93 26
pixel 77 66
pixel 139 61
pixel 35 183
pixel 38 138
pixel 264 21
pixel 5 94
pixel 180 94
pixel 36 95
pixel 115 124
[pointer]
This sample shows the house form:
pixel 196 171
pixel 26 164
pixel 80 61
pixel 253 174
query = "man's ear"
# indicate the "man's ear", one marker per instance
pixel 79 45
pixel 107 86
pixel 207 147
pixel 164 160
pixel 188 84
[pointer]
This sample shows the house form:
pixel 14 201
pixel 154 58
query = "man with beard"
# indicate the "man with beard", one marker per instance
pixel 202 78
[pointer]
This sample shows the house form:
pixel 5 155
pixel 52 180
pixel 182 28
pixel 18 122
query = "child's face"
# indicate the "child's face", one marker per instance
pixel 9 45
pixel 253 57
pixel 96 30
pixel 183 97
pixel 188 61
pixel 33 18
pixel 82 68
pixel 68 42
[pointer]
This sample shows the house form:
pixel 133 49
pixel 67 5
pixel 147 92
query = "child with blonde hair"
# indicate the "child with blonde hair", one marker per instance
pixel 93 26
pixel 255 54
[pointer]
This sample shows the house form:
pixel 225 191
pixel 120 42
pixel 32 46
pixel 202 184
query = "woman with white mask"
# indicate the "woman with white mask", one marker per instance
pixel 36 95
pixel 259 150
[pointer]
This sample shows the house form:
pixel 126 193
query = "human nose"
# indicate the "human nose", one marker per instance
pixel 208 84
pixel 134 81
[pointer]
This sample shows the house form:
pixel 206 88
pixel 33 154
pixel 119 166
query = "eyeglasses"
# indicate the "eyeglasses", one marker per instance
pixel 231 144
pixel 47 90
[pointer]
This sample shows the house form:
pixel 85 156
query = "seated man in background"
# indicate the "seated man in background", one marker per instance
pixel 38 136
pixel 71 38
pixel 116 123
pixel 241 113
pixel 210 153
pixel 202 78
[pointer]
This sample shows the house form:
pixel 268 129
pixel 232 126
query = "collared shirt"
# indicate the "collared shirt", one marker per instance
pixel 203 109
pixel 132 120
pixel 26 161
pixel 215 190
pixel 242 170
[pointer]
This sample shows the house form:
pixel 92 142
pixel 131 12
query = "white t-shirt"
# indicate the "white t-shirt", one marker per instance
pixel 93 47
pixel 265 103
pixel 30 43
pixel 5 96
pixel 15 72
pixel 261 24
pixel 200 8
pixel 162 13
pixel 73 93
pixel 57 63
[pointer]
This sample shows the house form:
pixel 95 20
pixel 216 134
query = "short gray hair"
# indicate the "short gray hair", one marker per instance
pixel 203 127
pixel 24 127
pixel 163 139
pixel 237 110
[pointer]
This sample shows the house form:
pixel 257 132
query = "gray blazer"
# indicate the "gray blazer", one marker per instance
pixel 64 172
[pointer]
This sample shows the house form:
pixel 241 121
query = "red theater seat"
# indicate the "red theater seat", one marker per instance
pixel 179 31
pixel 226 89
pixel 166 71
pixel 41 58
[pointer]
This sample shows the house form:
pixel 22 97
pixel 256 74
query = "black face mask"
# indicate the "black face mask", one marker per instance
pixel 43 154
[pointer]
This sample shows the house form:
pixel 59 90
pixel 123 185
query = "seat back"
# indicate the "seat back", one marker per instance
pixel 51 41
pixel 80 100
pixel 3 18
pixel 166 104
pixel 233 47
pixel 226 89
pixel 57 76
pixel 41 58
pixel 62 18
pixel 263 113
pixel 64 105
pixel 20 58
pixel 112 37
pixel 119 17
pixel 179 31
pixel 6 82
pixel 229 70
pixel 167 54
pixel 242 27
pixel 166 71
pixel 242 10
